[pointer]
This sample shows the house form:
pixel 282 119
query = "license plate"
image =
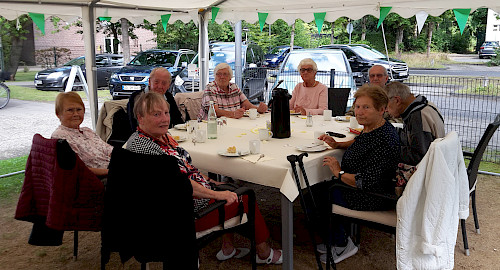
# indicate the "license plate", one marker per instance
pixel 38 82
pixel 403 73
pixel 131 87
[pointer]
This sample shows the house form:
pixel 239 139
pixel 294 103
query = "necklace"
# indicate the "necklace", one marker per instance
pixel 314 84
pixel 379 124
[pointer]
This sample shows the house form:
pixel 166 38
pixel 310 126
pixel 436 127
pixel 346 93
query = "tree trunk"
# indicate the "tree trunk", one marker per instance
pixel 332 37
pixel 125 40
pixel 16 49
pixel 399 39
pixel 430 28
pixel 363 28
pixel 114 30
pixel 292 36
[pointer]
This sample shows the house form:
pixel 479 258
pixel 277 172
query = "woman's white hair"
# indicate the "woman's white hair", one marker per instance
pixel 308 61
pixel 223 66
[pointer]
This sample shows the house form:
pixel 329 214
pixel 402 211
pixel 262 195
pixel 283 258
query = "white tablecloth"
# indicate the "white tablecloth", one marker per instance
pixel 275 173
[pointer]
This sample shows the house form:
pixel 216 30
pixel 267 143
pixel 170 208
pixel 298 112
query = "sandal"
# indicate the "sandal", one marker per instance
pixel 269 259
pixel 243 252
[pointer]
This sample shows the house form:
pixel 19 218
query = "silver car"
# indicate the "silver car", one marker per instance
pixel 489 48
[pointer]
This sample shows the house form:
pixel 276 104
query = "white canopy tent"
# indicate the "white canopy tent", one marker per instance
pixel 231 10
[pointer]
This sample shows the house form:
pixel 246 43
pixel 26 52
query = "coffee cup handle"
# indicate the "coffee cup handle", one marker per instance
pixel 270 133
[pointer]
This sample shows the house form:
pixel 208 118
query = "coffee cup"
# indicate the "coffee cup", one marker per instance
pixel 254 146
pixel 316 136
pixel 252 113
pixel 327 115
pixel 201 135
pixel 353 123
pixel 265 134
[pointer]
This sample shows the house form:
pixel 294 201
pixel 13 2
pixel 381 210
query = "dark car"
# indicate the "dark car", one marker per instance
pixel 276 55
pixel 135 75
pixel 222 52
pixel 489 48
pixel 362 57
pixel 56 78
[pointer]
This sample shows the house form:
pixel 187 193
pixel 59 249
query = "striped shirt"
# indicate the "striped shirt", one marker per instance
pixel 229 101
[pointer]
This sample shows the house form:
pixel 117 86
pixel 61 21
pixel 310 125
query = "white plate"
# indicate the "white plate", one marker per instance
pixel 237 154
pixel 343 118
pixel 180 126
pixel 311 148
pixel 294 113
pixel 181 139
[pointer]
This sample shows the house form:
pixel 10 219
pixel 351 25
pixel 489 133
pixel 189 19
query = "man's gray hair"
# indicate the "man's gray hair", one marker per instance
pixel 398 89
pixel 308 61
pixel 383 68
pixel 223 66
pixel 156 69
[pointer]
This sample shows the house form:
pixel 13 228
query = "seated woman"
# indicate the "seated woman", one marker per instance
pixel 228 99
pixel 152 137
pixel 93 151
pixel 369 163
pixel 310 96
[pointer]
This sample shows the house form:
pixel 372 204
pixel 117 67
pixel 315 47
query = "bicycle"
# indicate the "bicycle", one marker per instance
pixel 4 95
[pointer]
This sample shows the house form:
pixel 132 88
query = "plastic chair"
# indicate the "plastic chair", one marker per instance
pixel 59 194
pixel 121 129
pixel 337 100
pixel 472 170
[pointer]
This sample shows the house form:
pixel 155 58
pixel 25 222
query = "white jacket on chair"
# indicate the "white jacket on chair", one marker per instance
pixel 435 198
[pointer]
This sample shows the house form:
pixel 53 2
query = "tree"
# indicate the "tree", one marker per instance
pixel 13 40
pixel 397 24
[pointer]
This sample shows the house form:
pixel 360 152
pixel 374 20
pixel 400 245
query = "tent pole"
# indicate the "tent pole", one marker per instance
pixel 203 49
pixel 88 22
pixel 386 50
pixel 237 55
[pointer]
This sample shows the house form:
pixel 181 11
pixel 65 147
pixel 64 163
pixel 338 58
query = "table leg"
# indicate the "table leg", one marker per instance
pixel 287 232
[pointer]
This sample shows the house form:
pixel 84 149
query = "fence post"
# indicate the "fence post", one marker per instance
pixel 332 77
pixel 55 57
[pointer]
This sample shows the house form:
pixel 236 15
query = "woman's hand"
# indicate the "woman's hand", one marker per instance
pixel 262 107
pixel 329 140
pixel 333 164
pixel 215 182
pixel 229 196
pixel 300 109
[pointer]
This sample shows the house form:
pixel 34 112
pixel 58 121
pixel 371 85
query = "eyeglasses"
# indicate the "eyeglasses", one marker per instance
pixel 222 74
pixel 302 70
pixel 377 75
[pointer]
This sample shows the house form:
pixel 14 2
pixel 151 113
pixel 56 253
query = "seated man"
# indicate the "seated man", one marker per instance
pixel 159 82
pixel 422 121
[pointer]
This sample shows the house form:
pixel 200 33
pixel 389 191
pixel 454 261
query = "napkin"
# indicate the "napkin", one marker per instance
pixel 253 158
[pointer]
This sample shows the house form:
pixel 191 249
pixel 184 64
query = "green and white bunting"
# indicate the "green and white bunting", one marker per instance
pixel 215 11
pixel 262 20
pixel 461 15
pixel 39 20
pixel 164 21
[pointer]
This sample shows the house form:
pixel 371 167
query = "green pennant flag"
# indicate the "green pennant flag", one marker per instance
pixel 461 15
pixel 102 19
pixel 383 13
pixel 39 20
pixel 262 20
pixel 164 21
pixel 319 18
pixel 215 11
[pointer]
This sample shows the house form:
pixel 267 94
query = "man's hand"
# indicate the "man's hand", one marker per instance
pixel 238 113
pixel 262 107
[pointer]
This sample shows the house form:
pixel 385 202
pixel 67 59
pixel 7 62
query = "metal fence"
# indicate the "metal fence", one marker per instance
pixel 468 105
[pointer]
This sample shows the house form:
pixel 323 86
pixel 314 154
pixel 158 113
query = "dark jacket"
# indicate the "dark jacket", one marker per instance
pixel 423 123
pixel 59 187
pixel 175 114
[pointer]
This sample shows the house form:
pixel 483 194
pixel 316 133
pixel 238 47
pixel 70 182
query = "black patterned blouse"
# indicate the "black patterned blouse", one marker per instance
pixel 373 158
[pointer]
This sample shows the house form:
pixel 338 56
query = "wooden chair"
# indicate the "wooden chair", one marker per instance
pixel 59 194
pixel 472 170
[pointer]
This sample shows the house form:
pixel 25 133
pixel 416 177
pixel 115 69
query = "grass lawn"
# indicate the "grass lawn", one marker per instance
pixel 26 93
pixel 25 76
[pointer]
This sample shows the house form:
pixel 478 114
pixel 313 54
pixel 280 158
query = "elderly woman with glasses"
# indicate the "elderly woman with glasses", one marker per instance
pixel 228 98
pixel 310 96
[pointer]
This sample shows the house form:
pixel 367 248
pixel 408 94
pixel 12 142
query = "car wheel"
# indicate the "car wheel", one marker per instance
pixel 481 57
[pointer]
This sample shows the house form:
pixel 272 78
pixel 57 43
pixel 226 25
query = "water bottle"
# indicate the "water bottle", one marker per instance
pixel 212 122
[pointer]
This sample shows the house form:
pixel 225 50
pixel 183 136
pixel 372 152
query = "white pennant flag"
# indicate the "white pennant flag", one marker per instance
pixel 421 16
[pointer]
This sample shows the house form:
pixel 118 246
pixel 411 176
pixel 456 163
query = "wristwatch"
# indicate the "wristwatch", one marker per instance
pixel 340 174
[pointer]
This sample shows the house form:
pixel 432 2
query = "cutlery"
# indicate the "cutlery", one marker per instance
pixel 261 156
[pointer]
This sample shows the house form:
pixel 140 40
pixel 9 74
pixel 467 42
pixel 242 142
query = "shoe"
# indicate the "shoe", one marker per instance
pixel 321 248
pixel 243 252
pixel 269 259
pixel 341 253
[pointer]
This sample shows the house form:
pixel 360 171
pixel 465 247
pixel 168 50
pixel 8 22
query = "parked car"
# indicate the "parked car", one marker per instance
pixel 326 60
pixel 135 75
pixel 489 48
pixel 57 78
pixel 252 56
pixel 276 55
pixel 362 57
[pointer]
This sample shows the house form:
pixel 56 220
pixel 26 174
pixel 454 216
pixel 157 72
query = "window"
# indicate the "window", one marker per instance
pixel 101 61
pixel 184 60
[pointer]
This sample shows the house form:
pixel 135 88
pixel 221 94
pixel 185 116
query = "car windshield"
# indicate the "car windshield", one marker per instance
pixel 278 50
pixel 324 61
pixel 166 59
pixel 370 54
pixel 225 56
pixel 76 62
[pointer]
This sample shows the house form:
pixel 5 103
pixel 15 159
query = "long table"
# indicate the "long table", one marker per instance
pixel 275 173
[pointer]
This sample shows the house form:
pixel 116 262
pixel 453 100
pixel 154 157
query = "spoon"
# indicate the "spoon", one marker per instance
pixel 261 156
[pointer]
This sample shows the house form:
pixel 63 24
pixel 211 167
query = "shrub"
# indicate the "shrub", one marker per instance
pixel 51 57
